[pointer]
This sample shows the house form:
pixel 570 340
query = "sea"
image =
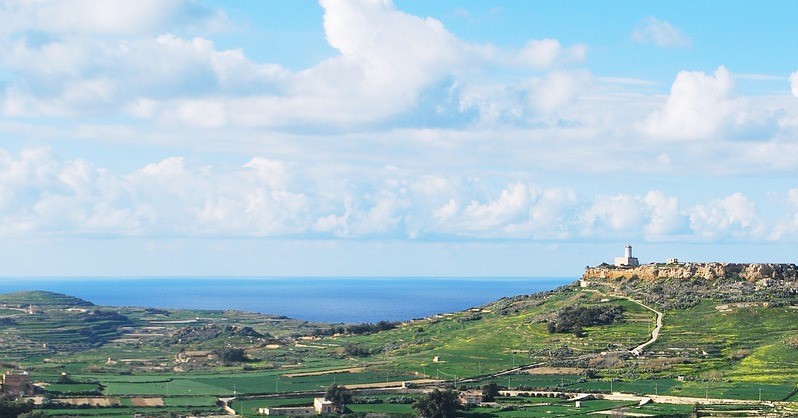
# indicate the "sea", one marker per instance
pixel 317 299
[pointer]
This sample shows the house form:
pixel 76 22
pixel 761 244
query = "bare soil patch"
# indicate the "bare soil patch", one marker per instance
pixel 554 370
pixel 89 401
pixel 147 401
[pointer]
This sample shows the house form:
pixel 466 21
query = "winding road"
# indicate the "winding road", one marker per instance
pixel 654 333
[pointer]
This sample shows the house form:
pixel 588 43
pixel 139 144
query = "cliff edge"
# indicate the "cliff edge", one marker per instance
pixel 753 272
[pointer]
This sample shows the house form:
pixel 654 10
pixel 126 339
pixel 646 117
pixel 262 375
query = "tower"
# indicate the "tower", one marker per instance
pixel 627 260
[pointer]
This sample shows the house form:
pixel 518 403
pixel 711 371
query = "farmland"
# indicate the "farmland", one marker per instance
pixel 162 361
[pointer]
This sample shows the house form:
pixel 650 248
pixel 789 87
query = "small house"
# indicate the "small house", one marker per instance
pixel 470 397
pixel 323 406
pixel 320 406
pixel 288 411
pixel 16 385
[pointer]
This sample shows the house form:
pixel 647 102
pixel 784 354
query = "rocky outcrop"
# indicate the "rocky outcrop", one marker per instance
pixel 709 271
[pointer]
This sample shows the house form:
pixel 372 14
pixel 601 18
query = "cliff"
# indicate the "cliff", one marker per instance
pixel 709 271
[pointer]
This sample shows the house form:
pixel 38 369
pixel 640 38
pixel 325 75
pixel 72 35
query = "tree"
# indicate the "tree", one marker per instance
pixel 437 404
pixel 339 396
pixel 490 392
pixel 12 409
pixel 233 355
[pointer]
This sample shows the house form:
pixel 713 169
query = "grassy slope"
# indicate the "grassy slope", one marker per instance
pixel 495 342
pixel 696 342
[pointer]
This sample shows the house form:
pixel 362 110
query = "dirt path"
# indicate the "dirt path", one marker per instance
pixel 654 333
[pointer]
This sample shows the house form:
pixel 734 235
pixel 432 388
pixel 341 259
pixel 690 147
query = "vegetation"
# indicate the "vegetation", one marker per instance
pixel 233 355
pixel 339 396
pixel 12 409
pixel 356 329
pixel 718 345
pixel 576 318
pixel 437 404
pixel 490 391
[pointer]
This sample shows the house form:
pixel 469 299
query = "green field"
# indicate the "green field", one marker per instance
pixel 745 353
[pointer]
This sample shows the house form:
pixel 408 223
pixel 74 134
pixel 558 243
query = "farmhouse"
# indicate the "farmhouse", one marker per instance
pixel 470 397
pixel 320 406
pixel 288 410
pixel 16 385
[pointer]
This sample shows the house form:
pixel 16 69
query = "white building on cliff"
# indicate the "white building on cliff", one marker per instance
pixel 627 260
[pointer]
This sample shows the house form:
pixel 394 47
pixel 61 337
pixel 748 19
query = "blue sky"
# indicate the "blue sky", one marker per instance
pixel 378 138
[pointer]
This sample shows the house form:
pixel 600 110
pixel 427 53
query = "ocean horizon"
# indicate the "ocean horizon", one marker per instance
pixel 318 299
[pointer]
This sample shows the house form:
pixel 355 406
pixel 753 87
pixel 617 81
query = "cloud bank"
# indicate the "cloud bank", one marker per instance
pixel 43 194
pixel 405 131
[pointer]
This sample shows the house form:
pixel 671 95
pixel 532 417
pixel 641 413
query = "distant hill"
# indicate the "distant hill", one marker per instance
pixel 41 298
pixel 39 322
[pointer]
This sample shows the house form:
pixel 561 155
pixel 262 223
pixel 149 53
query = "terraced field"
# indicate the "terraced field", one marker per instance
pixel 738 351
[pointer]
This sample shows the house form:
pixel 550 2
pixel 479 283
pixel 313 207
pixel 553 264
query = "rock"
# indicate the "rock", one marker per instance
pixel 754 272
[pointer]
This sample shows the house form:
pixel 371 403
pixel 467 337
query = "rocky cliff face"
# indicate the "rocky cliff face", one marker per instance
pixel 709 271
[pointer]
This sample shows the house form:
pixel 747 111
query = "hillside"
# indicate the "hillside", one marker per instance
pixel 735 321
pixel 682 285
pixel 35 324
pixel 724 337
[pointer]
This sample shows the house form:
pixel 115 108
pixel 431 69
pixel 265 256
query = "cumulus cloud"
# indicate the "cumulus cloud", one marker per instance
pixel 558 89
pixel 787 227
pixel 43 194
pixel 794 83
pixel 698 106
pixel 703 106
pixel 387 62
pixel 665 217
pixel 39 193
pixel 610 214
pixel 734 216
pixel 659 33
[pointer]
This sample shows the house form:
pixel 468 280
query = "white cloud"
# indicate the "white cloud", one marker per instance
pixel 613 214
pixel 387 61
pixel 545 53
pixel 794 83
pixel 660 33
pixel 787 227
pixel 734 216
pixel 100 17
pixel 699 106
pixel 42 194
pixel 665 217
pixel 558 89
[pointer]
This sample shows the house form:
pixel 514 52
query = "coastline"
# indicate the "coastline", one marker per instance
pixel 325 299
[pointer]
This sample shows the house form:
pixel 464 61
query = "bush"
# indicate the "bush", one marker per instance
pixel 356 350
pixel 574 318
pixel 233 355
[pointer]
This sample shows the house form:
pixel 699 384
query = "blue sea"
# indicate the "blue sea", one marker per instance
pixel 347 300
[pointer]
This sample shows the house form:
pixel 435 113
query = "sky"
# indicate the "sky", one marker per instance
pixel 404 138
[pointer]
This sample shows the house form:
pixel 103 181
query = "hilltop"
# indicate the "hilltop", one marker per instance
pixel 682 285
pixel 751 272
